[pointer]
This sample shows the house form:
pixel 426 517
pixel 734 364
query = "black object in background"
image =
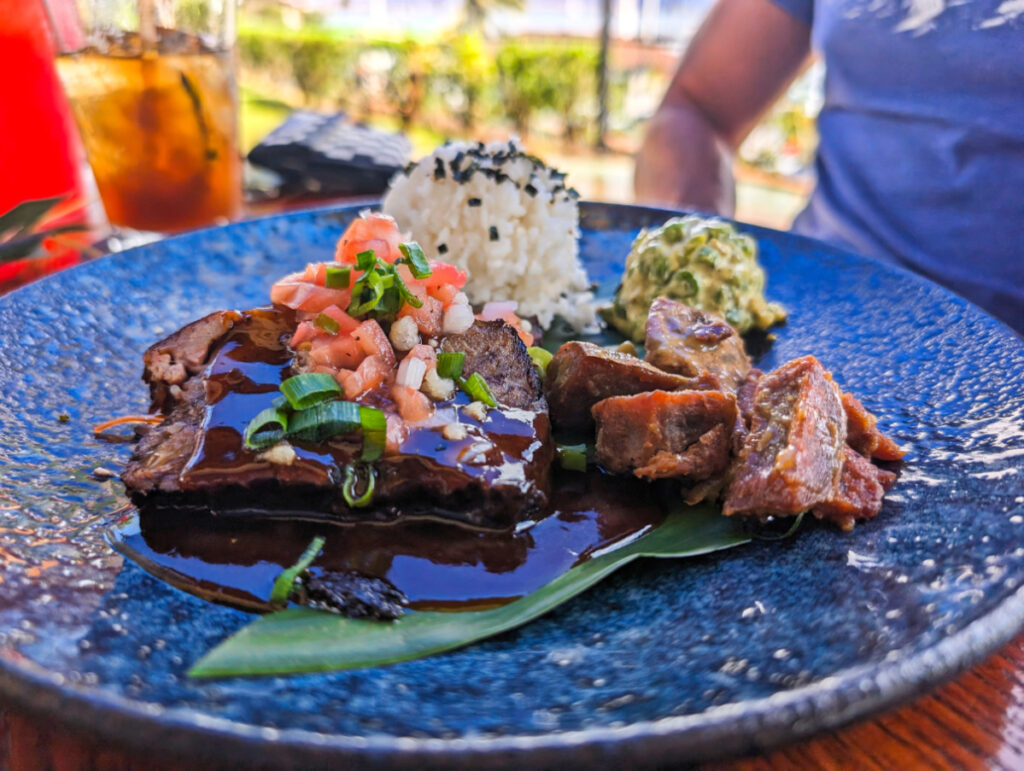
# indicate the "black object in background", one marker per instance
pixel 326 154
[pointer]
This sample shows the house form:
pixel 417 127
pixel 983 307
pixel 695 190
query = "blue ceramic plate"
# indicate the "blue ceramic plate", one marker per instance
pixel 665 661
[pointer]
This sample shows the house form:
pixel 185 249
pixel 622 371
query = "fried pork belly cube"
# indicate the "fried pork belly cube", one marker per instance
pixel 745 408
pixel 859 494
pixel 659 435
pixel 862 432
pixel 792 457
pixel 689 342
pixel 582 374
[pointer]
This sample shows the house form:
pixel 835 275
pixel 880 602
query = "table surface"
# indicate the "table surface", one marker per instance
pixel 975 721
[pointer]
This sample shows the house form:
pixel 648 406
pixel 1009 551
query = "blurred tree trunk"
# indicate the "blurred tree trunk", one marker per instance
pixel 602 74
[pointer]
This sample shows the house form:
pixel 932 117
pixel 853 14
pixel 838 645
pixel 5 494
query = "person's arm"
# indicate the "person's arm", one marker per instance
pixel 745 53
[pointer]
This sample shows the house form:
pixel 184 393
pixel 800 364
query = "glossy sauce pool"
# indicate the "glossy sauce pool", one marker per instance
pixel 234 557
pixel 437 565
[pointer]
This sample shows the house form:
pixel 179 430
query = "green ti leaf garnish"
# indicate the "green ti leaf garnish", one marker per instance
pixel 303 640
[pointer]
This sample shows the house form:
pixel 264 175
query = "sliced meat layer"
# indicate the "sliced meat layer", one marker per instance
pixel 862 432
pixel 182 354
pixel 494 474
pixel 659 435
pixel 494 349
pixel 860 491
pixel 792 458
pixel 689 342
pixel 582 374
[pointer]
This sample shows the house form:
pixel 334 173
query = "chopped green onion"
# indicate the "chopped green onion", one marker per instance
pixel 389 305
pixel 349 487
pixel 478 390
pixel 261 432
pixel 450 364
pixel 327 324
pixel 381 290
pixel 309 388
pixel 337 277
pixel 366 260
pixel 375 430
pixel 283 583
pixel 367 293
pixel 280 402
pixel 404 294
pixel 540 357
pixel 417 260
pixel 325 420
pixel 572 457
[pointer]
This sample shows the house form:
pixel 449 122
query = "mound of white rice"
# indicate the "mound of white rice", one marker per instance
pixel 504 217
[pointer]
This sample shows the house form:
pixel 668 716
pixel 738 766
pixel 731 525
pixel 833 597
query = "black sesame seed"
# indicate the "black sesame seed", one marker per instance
pixel 442 248
pixel 531 190
pixel 494 233
pixel 438 168
pixel 474 202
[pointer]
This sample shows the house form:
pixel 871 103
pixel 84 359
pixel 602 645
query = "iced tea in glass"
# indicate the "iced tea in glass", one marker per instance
pixel 152 86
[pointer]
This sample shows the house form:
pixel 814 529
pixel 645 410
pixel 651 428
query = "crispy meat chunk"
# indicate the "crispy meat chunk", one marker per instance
pixel 660 435
pixel 582 374
pixel 860 491
pixel 689 342
pixel 862 432
pixel 494 349
pixel 352 594
pixel 164 450
pixel 182 354
pixel 792 458
pixel 745 408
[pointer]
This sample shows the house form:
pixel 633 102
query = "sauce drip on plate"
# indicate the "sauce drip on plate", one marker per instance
pixel 438 566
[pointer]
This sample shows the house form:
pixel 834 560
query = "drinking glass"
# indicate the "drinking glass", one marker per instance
pixel 152 86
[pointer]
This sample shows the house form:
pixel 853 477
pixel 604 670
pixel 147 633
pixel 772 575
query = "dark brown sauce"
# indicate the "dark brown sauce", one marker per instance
pixel 243 379
pixel 235 557
pixel 437 566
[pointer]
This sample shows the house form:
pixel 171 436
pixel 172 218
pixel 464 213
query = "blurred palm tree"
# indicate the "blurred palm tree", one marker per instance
pixel 475 13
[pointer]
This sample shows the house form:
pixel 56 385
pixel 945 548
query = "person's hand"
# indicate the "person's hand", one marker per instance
pixel 741 58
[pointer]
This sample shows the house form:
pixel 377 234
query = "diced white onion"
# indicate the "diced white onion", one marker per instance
pixel 460 299
pixel 411 372
pixel 404 334
pixel 454 432
pixel 457 319
pixel 436 387
pixel 497 310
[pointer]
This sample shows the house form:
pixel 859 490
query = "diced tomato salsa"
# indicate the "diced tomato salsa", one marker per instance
pixel 357 351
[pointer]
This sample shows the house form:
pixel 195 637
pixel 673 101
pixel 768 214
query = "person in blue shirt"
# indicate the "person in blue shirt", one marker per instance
pixel 921 154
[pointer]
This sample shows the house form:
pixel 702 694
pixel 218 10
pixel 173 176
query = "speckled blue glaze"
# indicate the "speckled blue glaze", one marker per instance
pixel 665 661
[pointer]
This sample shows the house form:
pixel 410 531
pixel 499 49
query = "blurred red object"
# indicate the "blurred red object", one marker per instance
pixel 40 152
